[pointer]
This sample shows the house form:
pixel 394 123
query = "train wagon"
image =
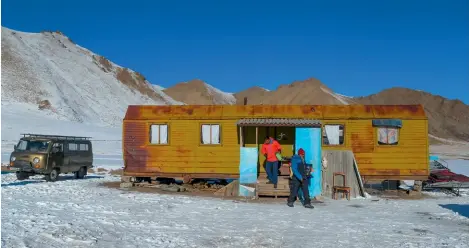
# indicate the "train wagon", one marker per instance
pixel 389 142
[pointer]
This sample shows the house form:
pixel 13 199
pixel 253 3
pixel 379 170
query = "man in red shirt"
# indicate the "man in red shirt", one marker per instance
pixel 269 149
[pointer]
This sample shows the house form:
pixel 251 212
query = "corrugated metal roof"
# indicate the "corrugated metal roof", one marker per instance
pixel 278 122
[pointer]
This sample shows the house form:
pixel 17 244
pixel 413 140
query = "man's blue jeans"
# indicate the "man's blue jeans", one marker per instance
pixel 272 171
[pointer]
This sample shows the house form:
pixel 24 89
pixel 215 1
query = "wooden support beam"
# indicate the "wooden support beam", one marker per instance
pixel 257 136
pixel 241 141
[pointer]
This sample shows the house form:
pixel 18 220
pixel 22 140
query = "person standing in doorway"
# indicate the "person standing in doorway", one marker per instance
pixel 270 148
pixel 300 174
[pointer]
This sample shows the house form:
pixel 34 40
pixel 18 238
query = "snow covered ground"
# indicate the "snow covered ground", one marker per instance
pixel 81 213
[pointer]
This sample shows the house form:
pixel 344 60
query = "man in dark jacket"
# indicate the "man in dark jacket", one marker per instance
pixel 300 174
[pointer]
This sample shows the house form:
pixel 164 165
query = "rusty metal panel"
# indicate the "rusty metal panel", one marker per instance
pixel 360 112
pixel 264 111
pixel 399 111
pixel 285 111
pixel 198 111
pixel 134 140
pixel 133 112
pixel 311 111
pixel 336 111
pixel 147 112
pixel 240 111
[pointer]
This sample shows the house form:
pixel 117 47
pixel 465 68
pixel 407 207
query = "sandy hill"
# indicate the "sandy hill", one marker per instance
pixel 447 118
pixel 48 71
pixel 310 91
pixel 197 92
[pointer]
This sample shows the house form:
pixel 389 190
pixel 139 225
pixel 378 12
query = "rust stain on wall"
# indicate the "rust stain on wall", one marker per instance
pixel 135 155
pixel 267 111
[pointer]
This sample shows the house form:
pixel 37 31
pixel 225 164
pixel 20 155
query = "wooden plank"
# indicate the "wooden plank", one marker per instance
pixel 241 136
pixel 357 172
pixel 257 136
pixel 340 161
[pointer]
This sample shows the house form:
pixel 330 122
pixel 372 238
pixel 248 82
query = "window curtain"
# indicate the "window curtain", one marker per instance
pixel 392 135
pixel 155 134
pixel 332 133
pixel 163 134
pixel 206 134
pixel 388 135
pixel 215 134
pixel 383 135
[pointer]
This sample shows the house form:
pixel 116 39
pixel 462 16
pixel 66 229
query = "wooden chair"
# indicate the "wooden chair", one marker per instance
pixel 343 189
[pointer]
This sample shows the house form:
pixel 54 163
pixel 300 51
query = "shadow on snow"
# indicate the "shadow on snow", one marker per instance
pixel 63 178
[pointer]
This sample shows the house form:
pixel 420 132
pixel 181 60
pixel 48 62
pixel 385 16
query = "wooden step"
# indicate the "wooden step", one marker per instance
pixel 271 187
pixel 281 180
pixel 273 192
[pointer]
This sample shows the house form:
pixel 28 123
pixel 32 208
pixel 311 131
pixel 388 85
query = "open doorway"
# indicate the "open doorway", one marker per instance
pixel 284 135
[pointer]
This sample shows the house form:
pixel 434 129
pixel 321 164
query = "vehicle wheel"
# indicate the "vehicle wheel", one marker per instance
pixel 21 175
pixel 81 173
pixel 53 176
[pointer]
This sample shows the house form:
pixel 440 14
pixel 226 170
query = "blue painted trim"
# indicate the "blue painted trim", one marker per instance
pixel 387 123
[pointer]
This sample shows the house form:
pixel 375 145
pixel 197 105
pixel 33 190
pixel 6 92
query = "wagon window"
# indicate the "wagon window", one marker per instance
pixel 72 147
pixel 210 134
pixel 159 134
pixel 83 147
pixel 388 136
pixel 333 135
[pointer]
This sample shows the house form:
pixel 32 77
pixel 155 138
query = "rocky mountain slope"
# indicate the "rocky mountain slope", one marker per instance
pixel 309 91
pixel 50 72
pixel 197 92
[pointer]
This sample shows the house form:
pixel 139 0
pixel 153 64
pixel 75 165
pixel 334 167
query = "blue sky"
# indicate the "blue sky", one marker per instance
pixel 354 47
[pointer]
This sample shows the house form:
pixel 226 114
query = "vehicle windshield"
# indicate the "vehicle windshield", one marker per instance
pixel 32 145
pixel 435 165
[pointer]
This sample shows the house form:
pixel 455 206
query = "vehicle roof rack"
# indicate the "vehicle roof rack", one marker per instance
pixel 58 137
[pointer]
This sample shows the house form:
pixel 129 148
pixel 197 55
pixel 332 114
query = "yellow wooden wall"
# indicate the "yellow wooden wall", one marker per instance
pixel 185 154
pixel 410 157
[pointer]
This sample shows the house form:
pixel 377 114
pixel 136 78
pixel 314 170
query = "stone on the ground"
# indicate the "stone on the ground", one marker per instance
pixel 126 185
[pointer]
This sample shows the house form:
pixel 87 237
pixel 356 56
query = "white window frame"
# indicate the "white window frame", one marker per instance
pixel 85 145
pixel 158 140
pixel 341 134
pixel 210 142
